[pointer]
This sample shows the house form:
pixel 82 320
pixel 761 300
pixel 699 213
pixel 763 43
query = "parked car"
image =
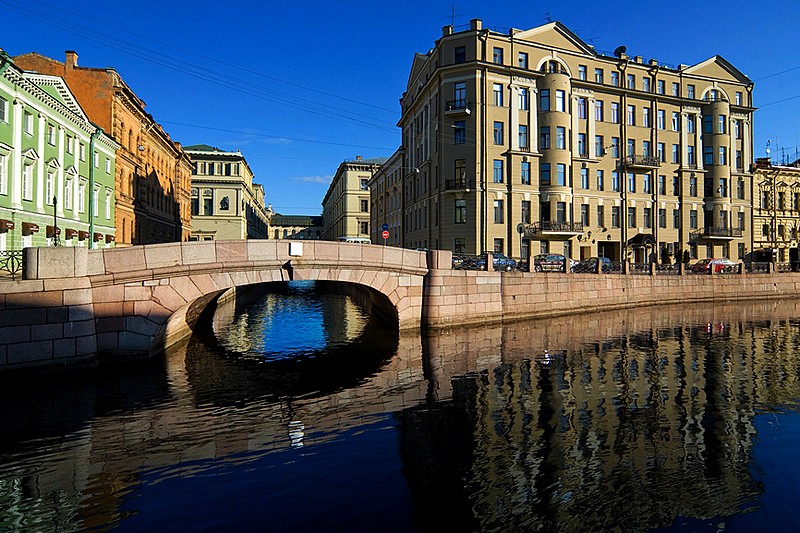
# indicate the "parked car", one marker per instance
pixel 705 265
pixel 499 262
pixel 590 265
pixel 551 263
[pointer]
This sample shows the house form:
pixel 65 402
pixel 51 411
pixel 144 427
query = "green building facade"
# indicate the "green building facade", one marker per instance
pixel 56 167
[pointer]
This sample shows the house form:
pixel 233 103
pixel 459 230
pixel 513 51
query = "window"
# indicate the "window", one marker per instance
pixel 738 99
pixel 646 149
pixel 707 125
pixel 362 226
pixel 498 132
pixel 27 182
pixel 583 150
pixel 27 123
pixel 109 195
pixel 460 54
pixel 660 86
pixel 676 89
pixel 676 186
pixel 631 115
pixel 584 178
pixel 631 217
pixel 615 216
pixel 723 187
pixel 646 117
pixel 631 147
pixel 662 184
pixel 561 174
pixel 560 100
pixel 544 174
pixel 51 135
pixel 693 219
pixel 646 84
pixel 721 122
pixel 631 81
pixel 615 78
pixel 544 137
pixel 498 211
pixel 647 215
pixel 631 182
pixel 364 206
pixel 600 184
pixel 497 55
pixel 662 156
pixel 108 166
pixel 460 95
pixel 460 173
pixel 661 119
pixel 68 193
pixel 581 72
pixel 70 144
pixel 95 201
pixel 544 100
pixel 460 132
pixel 497 171
pixel 736 126
pixel 676 218
pixel 582 108
pixel 522 59
pixel 585 214
pixel 561 211
pixel 676 155
pixel 598 75
pixel 460 212
pixel 523 98
pixel 82 197
pixel 3 110
pixel 723 155
pixel 523 136
pixel 662 218
pixel 601 215
pixel 497 91
pixel 676 121
pixel 615 112
pixel 615 181
pixel 598 110
pixel 615 147
pixel 525 212
pixel 599 146
pixel 525 173
pixel 459 245
pixel 740 219
pixel 690 91
pixel 690 124
pixel 3 174
pixel 693 186
pixel 561 137
pixel 740 191
pixel 708 155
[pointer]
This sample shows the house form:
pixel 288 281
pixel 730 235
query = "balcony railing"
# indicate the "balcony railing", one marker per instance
pixel 457 106
pixel 642 161
pixel 716 233
pixel 551 226
pixel 459 184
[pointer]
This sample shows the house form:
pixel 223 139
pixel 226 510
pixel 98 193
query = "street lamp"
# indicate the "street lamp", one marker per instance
pixel 55 222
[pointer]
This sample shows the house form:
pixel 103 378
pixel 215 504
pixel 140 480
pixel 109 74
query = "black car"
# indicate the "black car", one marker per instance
pixel 499 262
pixel 590 265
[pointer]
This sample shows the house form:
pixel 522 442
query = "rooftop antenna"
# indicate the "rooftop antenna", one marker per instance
pixel 768 150
pixel 453 16
pixel 547 16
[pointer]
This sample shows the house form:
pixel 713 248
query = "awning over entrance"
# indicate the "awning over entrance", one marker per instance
pixel 29 228
pixel 641 240
pixel 6 225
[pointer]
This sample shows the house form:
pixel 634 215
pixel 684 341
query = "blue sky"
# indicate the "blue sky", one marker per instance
pixel 300 86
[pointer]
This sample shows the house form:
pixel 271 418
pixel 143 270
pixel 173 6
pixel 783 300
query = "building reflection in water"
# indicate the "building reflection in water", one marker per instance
pixel 620 420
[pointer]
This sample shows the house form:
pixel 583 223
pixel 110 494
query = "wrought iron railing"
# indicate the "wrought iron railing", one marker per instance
pixel 11 263
pixel 643 161
pixel 457 105
pixel 668 270
pixel 716 232
pixel 550 225
pixel 459 184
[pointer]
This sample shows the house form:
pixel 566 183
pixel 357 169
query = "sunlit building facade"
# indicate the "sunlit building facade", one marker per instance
pixel 345 207
pixel 532 141
pixel 776 211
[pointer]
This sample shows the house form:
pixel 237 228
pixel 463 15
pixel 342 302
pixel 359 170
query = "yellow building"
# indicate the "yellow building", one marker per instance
pixel 776 210
pixel 226 203
pixel 532 141
pixel 345 207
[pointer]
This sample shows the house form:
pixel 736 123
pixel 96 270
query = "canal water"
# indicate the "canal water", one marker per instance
pixel 296 410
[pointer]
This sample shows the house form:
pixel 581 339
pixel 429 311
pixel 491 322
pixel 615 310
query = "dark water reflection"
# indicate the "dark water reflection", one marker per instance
pixel 665 418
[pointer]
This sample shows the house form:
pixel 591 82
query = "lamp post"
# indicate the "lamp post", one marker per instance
pixel 55 222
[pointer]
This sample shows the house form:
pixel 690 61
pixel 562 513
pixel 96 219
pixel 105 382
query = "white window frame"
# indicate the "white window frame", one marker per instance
pixel 82 197
pixel 27 182
pixel 27 123
pixel 3 110
pixel 4 174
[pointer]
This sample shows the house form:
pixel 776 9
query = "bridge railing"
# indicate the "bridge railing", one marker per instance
pixel 11 264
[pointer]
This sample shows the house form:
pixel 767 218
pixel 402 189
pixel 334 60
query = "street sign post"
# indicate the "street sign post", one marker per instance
pixel 385 234
pixel 385 227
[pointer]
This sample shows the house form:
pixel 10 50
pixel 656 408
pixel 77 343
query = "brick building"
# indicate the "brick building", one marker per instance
pixel 153 174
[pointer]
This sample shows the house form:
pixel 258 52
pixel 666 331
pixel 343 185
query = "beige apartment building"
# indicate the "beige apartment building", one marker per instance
pixel 226 204
pixel 532 141
pixel 386 201
pixel 776 211
pixel 299 227
pixel 345 207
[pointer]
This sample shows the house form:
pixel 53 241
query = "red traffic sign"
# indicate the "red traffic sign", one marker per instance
pixel 385 234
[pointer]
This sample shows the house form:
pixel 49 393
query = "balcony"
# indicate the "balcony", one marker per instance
pixel 716 234
pixel 459 184
pixel 642 161
pixel 552 228
pixel 457 107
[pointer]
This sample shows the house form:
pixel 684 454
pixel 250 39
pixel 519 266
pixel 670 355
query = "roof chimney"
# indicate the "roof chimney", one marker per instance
pixel 447 30
pixel 475 24
pixel 72 59
pixel 359 158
